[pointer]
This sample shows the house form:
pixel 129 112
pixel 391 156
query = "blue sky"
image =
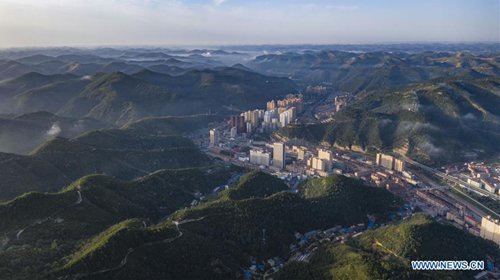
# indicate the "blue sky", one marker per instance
pixel 220 22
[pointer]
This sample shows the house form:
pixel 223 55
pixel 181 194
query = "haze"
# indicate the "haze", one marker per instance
pixel 218 22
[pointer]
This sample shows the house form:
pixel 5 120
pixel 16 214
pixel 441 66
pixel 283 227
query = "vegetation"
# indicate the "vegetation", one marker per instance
pixel 231 229
pixel 110 212
pixel 125 153
pixel 434 123
pixel 385 253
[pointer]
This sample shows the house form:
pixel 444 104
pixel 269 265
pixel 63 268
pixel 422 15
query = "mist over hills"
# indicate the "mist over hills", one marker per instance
pixel 120 98
pixel 355 72
pixel 123 153
pixel 435 122
pixel 99 178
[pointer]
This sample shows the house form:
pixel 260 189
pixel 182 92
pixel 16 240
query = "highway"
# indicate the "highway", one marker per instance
pixel 453 195
pixel 451 178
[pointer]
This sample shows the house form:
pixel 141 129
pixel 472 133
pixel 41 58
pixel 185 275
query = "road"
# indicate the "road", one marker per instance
pixel 40 221
pixel 451 194
pixel 124 261
pixel 450 178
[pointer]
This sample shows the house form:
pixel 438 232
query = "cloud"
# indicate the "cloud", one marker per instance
pixel 54 130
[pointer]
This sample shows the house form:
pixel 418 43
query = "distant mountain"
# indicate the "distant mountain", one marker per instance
pixel 385 253
pixel 10 69
pixel 435 122
pixel 122 98
pixel 21 134
pixel 35 59
pixel 356 72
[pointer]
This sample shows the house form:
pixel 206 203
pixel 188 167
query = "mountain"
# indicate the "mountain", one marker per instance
pixel 34 92
pixel 179 125
pixel 435 122
pixel 357 72
pixel 21 134
pixel 121 98
pixel 10 69
pixel 213 240
pixel 122 153
pixel 40 230
pixel 385 253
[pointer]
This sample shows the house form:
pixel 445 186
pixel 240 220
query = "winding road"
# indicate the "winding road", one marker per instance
pixel 131 250
pixel 40 221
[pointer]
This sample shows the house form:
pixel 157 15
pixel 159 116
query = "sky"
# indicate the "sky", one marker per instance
pixel 27 23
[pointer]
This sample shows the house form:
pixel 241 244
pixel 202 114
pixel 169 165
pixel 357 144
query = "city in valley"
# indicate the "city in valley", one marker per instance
pixel 252 140
pixel 256 140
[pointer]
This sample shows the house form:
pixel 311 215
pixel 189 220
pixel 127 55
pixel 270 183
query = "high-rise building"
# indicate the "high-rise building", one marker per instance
pixel 233 132
pixel 271 105
pixel 249 127
pixel 490 229
pixel 317 164
pixel 259 157
pixel 327 156
pixel 399 165
pixel 238 122
pixel 279 155
pixel 214 137
pixel 284 119
pixel 390 162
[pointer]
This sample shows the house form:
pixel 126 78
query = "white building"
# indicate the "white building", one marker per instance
pixel 214 137
pixel 279 155
pixel 490 229
pixel 234 132
pixel 260 157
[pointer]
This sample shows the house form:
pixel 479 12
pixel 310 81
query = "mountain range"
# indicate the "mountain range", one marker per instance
pixel 365 71
pixel 434 122
pixel 118 98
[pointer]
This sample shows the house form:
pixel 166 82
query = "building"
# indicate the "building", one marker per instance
pixel 249 127
pixel 271 105
pixel 399 165
pixel 260 157
pixel 238 122
pixel 233 132
pixel 284 119
pixel 389 162
pixel 300 151
pixel 317 164
pixel 279 155
pixel 327 156
pixel 474 183
pixel 490 229
pixel 214 137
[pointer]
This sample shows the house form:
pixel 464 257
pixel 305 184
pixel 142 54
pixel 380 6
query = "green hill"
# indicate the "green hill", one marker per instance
pixel 256 185
pixel 385 253
pixel 53 225
pixel 123 153
pixel 176 125
pixel 214 239
pixel 112 94
pixel 436 122
pixel 121 98
pixel 21 134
